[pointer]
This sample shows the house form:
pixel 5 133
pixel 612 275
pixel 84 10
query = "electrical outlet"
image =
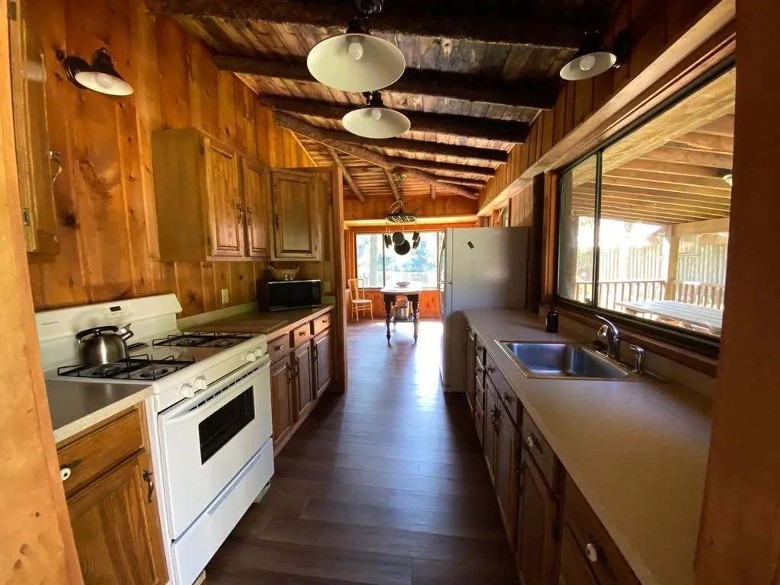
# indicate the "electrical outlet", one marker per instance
pixel 225 296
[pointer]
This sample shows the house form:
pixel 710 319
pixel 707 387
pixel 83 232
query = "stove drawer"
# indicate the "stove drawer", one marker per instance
pixel 92 455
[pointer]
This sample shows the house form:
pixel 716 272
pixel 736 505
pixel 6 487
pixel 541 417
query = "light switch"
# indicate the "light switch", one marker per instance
pixel 225 296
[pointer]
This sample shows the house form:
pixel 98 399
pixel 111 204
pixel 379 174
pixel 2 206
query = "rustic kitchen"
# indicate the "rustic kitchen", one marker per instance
pixel 389 292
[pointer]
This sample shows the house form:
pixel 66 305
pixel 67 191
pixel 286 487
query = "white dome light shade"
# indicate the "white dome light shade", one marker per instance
pixel 588 65
pixel 100 76
pixel 356 62
pixel 376 122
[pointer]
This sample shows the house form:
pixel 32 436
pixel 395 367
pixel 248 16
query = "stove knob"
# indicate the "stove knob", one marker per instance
pixel 200 383
pixel 250 356
pixel 187 390
pixel 258 353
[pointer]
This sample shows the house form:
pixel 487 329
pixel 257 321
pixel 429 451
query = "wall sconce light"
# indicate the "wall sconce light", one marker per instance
pixel 99 76
pixel 593 59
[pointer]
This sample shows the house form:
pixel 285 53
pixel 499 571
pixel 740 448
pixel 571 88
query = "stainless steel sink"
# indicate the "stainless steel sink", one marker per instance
pixel 562 360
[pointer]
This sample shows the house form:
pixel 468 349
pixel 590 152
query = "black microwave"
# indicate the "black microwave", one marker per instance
pixel 282 295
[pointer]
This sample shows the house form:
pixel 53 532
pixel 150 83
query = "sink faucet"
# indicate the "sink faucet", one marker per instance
pixel 613 338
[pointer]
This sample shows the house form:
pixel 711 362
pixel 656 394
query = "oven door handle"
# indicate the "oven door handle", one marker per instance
pixel 184 411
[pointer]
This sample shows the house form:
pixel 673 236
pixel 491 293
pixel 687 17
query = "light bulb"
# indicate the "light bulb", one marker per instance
pixel 376 114
pixel 355 48
pixel 104 80
pixel 587 62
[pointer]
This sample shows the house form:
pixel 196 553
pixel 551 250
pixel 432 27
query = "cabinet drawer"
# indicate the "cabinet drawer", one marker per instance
pixel 479 420
pixel 505 392
pixel 321 323
pixel 279 348
pixel 300 335
pixel 594 543
pixel 92 455
pixel 539 448
pixel 479 350
pixel 479 393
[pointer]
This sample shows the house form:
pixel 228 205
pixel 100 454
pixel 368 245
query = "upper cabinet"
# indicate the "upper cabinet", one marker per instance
pixel 38 165
pixel 213 203
pixel 295 212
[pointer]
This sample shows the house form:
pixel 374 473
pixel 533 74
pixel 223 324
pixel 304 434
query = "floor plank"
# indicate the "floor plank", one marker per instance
pixel 383 485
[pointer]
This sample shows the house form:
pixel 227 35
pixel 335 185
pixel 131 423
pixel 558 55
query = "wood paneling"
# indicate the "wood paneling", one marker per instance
pixel 105 197
pixel 740 534
pixel 36 540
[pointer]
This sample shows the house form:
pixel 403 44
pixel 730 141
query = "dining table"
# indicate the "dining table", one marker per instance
pixel 390 295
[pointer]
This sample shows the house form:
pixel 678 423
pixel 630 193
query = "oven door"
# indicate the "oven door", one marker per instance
pixel 207 439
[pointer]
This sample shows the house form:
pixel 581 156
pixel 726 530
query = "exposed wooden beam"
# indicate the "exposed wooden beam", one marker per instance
pixel 712 226
pixel 484 128
pixel 459 181
pixel 433 191
pixel 347 175
pixel 437 167
pixel 326 137
pixel 706 142
pixel 647 194
pixel 642 184
pixel 722 127
pixel 393 186
pixel 651 204
pixel 505 25
pixel 672 168
pixel 714 182
pixel 690 157
pixel 423 147
pixel 536 93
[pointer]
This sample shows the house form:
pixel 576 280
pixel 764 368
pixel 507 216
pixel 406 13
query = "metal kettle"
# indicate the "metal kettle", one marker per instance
pixel 103 345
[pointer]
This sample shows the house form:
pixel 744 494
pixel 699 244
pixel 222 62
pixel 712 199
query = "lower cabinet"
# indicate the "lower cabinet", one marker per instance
pixel 490 441
pixel 471 362
pixel 536 540
pixel 507 472
pixel 112 504
pixel 301 371
pixel 573 566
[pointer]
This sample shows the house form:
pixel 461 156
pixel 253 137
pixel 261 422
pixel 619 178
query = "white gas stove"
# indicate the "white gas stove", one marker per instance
pixel 209 415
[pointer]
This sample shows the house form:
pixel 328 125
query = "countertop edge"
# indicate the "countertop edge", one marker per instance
pixel 225 324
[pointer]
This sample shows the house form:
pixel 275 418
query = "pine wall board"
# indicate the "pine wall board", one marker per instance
pixel 105 194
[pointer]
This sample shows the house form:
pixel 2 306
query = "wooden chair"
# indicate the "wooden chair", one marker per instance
pixel 358 300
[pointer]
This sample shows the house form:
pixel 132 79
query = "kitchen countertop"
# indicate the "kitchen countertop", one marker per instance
pixel 270 323
pixel 637 449
pixel 77 405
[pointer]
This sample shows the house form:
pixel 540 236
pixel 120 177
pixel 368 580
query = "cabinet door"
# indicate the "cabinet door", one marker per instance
pixel 303 380
pixel 507 472
pixel 536 538
pixel 573 566
pixel 282 409
pixel 116 527
pixel 225 208
pixel 322 358
pixel 35 160
pixel 492 414
pixel 256 188
pixel 471 361
pixel 295 215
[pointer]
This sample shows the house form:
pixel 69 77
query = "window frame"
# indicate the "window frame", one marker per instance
pixel 439 237
pixel 700 343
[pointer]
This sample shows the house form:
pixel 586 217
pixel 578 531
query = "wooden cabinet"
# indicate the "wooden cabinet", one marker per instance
pixel 256 187
pixel 507 471
pixel 282 401
pixel 295 210
pixel 492 415
pixel 212 202
pixel 112 505
pixel 302 373
pixel 38 165
pixel 322 358
pixel 536 539
pixel 573 567
pixel 471 362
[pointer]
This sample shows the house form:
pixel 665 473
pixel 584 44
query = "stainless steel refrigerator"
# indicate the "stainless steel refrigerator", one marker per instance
pixel 478 268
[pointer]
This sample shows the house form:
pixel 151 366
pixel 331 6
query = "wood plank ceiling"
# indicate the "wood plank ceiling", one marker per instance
pixel 478 73
pixel 672 169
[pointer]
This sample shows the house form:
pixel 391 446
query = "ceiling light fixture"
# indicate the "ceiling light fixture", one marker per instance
pixel 99 76
pixel 375 120
pixel 593 59
pixel 356 61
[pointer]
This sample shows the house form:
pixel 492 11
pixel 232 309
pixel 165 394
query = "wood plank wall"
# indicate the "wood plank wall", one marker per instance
pixel 105 195
pixel 378 207
pixel 654 25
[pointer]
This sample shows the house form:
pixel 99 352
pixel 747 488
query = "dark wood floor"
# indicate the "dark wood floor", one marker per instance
pixel 384 485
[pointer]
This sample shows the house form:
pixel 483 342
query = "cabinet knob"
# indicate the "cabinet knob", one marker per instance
pixel 508 397
pixel 530 440
pixel 65 473
pixel 490 369
pixel 592 552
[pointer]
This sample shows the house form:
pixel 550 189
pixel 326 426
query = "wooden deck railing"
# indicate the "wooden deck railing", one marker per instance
pixel 612 292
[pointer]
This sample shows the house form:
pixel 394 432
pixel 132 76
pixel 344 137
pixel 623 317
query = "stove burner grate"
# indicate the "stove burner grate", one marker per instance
pixel 135 368
pixel 198 339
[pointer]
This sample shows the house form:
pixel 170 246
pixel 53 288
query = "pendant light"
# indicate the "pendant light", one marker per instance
pixel 99 76
pixel 375 120
pixel 356 61
pixel 593 59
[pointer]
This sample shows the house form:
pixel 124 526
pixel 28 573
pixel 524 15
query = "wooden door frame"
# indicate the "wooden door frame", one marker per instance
pixel 36 539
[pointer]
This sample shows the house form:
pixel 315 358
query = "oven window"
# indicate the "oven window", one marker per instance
pixel 216 430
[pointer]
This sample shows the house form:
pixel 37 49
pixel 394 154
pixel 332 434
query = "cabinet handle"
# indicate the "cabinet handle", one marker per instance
pixel 147 475
pixel 288 367
pixel 592 552
pixel 249 214
pixel 531 441
pixel 276 219
pixel 240 209
pixel 508 397
pixel 301 333
pixel 65 473
pixel 277 347
pixel 490 369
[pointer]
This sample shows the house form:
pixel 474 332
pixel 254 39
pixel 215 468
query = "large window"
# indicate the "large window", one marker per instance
pixel 644 222
pixel 379 266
